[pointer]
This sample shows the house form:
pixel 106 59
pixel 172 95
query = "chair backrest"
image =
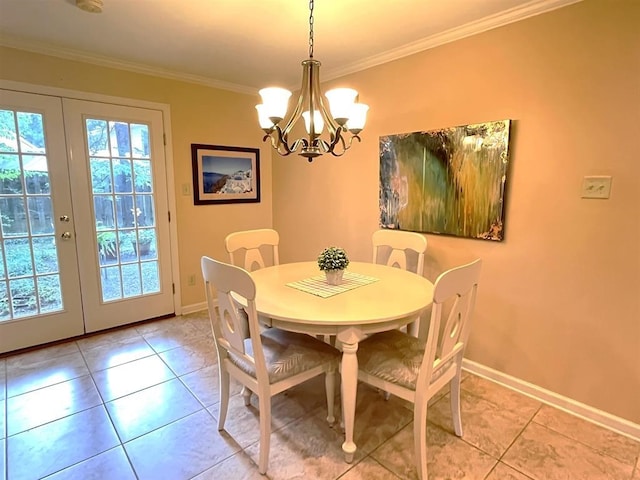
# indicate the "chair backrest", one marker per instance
pixel 221 279
pixel 251 241
pixel 454 292
pixel 398 243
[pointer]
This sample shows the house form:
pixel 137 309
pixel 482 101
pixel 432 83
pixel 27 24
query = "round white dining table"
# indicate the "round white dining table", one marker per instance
pixel 394 299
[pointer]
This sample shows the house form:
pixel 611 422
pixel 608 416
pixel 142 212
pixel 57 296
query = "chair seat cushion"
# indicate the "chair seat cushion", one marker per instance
pixel 287 354
pixel 394 357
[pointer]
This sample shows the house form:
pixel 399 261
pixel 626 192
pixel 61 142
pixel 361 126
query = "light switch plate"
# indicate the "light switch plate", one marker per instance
pixel 596 187
pixel 186 189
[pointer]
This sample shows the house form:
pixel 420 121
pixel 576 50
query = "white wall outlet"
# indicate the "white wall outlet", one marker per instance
pixel 596 187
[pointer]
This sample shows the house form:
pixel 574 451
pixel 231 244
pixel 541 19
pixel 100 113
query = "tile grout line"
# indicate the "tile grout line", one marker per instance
pixel 514 441
pixel 66 416
pixel 243 451
pixel 488 400
pixel 532 420
pixel 590 447
pixel 104 405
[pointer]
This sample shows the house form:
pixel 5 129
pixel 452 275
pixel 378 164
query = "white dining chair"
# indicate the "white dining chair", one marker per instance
pixel 253 243
pixel 393 248
pixel 268 362
pixel 246 249
pixel 401 364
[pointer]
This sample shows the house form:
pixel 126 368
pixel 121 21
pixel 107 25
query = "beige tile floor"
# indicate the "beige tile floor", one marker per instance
pixel 141 402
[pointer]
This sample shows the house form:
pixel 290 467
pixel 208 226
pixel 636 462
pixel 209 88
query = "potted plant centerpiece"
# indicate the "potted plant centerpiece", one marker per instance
pixel 333 261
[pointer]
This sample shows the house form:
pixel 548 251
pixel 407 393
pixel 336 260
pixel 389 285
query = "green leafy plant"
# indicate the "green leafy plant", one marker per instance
pixel 146 236
pixel 107 244
pixel 333 258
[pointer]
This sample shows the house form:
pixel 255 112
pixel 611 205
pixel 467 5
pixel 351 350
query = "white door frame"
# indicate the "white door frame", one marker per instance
pixel 166 119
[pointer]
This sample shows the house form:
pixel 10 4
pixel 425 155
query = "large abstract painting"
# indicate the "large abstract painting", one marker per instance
pixel 449 181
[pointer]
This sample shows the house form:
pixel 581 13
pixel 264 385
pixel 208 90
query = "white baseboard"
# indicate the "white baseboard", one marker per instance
pixel 196 307
pixel 586 412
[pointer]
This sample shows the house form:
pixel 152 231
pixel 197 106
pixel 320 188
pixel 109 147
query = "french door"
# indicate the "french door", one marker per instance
pixel 84 237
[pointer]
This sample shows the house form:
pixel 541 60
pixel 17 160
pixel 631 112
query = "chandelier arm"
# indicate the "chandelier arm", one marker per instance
pixel 313 94
pixel 329 122
pixel 297 112
pixel 338 138
pixel 322 145
pixel 345 145
pixel 299 142
pixel 278 142
pixel 282 141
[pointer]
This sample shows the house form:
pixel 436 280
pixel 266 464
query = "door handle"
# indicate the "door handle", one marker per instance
pixel 64 218
pixel 66 235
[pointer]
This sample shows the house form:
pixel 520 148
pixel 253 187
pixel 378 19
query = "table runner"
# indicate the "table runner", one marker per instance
pixel 318 285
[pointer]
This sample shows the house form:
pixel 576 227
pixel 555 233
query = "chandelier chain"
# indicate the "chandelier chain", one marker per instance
pixel 310 28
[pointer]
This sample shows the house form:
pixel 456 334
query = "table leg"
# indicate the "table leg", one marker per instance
pixel 349 389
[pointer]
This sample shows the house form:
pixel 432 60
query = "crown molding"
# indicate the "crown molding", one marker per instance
pixel 75 55
pixel 531 9
pixel 535 7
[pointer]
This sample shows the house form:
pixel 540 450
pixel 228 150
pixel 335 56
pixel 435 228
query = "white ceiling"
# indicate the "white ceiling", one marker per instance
pixel 243 45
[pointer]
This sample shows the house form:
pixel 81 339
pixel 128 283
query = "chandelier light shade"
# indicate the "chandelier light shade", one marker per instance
pixel 343 121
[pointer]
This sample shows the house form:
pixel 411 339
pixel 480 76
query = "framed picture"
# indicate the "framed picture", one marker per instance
pixel 449 181
pixel 223 174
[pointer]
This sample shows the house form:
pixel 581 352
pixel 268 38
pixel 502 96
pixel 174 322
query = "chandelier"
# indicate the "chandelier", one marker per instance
pixel 345 115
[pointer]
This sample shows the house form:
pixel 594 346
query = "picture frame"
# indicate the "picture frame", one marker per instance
pixel 448 181
pixel 225 174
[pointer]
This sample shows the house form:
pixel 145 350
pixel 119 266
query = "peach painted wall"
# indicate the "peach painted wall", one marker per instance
pixel 199 114
pixel 559 304
pixel 559 300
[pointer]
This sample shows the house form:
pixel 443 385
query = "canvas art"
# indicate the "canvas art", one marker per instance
pixel 449 181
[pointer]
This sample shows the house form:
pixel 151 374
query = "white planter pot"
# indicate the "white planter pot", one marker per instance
pixel 334 277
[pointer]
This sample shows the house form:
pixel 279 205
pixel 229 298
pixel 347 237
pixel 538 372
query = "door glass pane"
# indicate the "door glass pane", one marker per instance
pixel 101 175
pixel 120 144
pixel 142 171
pixel 140 141
pixel 44 256
pixel 103 211
pixel 31 132
pixel 9 137
pixel 40 215
pixel 19 262
pixel 123 175
pixel 36 174
pixel 23 297
pixel 150 277
pixel 98 137
pixel 29 266
pixel 10 179
pixel 131 277
pixel 5 312
pixel 124 211
pixel 111 283
pixel 49 293
pixel 14 215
